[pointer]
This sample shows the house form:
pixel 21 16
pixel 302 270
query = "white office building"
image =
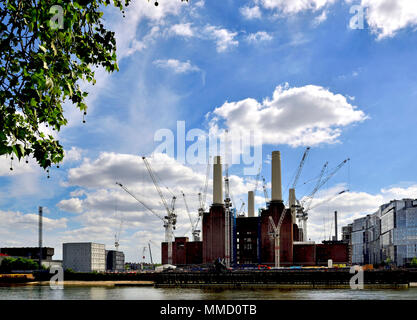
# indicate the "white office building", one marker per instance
pixel 84 256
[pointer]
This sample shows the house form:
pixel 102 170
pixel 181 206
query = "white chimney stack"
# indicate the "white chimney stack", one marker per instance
pixel 217 181
pixel 276 177
pixel 251 204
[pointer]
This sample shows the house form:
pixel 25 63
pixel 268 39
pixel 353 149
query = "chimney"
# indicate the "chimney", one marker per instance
pixel 217 181
pixel 335 225
pixel 251 204
pixel 276 177
pixel 291 202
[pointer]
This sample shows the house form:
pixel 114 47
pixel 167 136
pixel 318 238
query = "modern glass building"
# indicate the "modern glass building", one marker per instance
pixel 390 234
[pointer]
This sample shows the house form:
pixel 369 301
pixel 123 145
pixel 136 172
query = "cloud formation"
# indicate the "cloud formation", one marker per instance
pixel 251 12
pixel 294 6
pixel 298 116
pixel 387 17
pixel 176 66
pixel 224 38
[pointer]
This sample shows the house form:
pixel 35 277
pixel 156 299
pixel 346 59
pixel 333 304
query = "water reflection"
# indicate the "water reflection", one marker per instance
pixel 150 293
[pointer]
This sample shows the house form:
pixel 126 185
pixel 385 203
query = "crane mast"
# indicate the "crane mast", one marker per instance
pixel 300 167
pixel 195 233
pixel 150 252
pixel 170 219
pixel 265 190
pixel 306 205
pixel 227 203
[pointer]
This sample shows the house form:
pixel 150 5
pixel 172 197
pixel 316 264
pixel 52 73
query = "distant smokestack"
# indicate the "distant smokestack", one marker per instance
pixel 276 177
pixel 251 204
pixel 217 181
pixel 335 225
pixel 40 237
pixel 291 202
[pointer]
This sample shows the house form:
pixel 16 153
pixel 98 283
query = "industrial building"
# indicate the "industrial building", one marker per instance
pixel 29 252
pixel 84 257
pixel 271 238
pixel 388 235
pixel 115 261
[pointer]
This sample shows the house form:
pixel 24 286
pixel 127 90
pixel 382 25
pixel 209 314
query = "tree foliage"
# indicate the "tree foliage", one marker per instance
pixel 10 264
pixel 43 58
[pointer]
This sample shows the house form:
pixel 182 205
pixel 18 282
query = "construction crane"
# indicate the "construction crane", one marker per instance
pixel 194 224
pixel 150 251
pixel 240 212
pixel 265 190
pixel 329 199
pixel 306 204
pixel 170 220
pixel 202 196
pixel 300 168
pixel 257 180
pixel 149 209
pixel 227 203
pixel 275 233
pixel 117 236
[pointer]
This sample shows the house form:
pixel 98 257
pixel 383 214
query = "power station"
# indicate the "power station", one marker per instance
pixel 272 238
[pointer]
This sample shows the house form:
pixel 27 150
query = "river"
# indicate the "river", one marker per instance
pixel 151 293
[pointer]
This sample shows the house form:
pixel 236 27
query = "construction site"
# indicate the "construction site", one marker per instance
pixel 274 237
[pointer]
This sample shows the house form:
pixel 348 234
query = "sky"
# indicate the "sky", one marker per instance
pixel 336 75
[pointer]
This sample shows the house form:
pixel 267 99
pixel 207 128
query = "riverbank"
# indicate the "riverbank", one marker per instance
pixel 73 283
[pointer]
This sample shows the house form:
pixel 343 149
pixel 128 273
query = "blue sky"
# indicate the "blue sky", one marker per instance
pixel 221 62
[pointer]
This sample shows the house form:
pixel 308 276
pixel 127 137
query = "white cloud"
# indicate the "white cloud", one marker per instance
pixel 19 167
pixel 73 154
pixel 177 66
pixel 224 38
pixel 308 115
pixel 259 37
pixel 320 18
pixel 19 221
pixel 182 29
pixel 251 12
pixel 71 205
pixel 294 6
pixel 200 3
pixel 387 17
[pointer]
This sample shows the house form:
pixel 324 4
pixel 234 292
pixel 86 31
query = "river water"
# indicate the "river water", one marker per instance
pixel 151 293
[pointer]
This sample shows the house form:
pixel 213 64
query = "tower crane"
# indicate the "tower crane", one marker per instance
pixel 227 203
pixel 300 167
pixel 164 220
pixel 117 236
pixel 265 190
pixel 306 205
pixel 275 232
pixel 170 220
pixel 240 212
pixel 202 196
pixel 150 251
pixel 257 180
pixel 329 199
pixel 302 214
pixel 194 231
